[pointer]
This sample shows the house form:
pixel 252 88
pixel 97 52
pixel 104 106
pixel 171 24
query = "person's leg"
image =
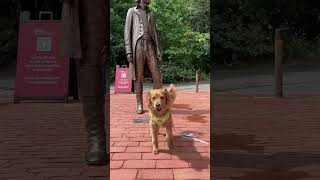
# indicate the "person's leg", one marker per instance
pixel 153 65
pixel 140 61
pixel 93 109
pixel 91 77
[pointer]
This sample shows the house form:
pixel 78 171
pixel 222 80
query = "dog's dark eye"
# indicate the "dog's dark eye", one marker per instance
pixel 161 97
pixel 153 98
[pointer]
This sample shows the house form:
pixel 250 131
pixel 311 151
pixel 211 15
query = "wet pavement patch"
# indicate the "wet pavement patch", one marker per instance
pixel 141 121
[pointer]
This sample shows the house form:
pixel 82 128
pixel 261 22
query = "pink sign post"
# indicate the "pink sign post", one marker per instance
pixel 42 74
pixel 122 82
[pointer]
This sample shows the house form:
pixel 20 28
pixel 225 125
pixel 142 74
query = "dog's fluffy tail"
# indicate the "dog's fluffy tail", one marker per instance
pixel 172 93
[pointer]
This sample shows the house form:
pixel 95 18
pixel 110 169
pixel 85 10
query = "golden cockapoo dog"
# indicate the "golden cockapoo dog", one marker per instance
pixel 159 104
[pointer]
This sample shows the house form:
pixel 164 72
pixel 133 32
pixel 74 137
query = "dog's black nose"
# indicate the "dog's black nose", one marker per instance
pixel 157 105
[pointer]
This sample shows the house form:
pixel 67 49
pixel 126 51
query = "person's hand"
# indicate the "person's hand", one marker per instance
pixel 129 57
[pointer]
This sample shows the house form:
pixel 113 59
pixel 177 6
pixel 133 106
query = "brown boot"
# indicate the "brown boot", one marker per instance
pixel 96 154
pixel 140 108
pixel 139 92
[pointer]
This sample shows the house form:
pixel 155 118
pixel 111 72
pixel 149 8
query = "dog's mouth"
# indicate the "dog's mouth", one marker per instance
pixel 158 109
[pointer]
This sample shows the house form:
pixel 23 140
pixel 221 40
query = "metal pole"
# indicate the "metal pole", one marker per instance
pixel 197 80
pixel 278 63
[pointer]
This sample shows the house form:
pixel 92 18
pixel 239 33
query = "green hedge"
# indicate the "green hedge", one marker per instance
pixel 174 74
pixel 297 46
pixel 8 30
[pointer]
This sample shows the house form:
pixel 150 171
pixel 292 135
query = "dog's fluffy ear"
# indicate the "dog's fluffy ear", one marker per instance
pixel 148 97
pixel 168 98
pixel 172 93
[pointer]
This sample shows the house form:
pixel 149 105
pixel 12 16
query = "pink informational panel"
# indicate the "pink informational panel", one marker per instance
pixel 41 72
pixel 122 82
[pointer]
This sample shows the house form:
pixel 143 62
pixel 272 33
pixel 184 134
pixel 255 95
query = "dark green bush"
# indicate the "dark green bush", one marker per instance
pixel 245 28
pixel 8 30
pixel 112 74
pixel 297 46
pixel 174 74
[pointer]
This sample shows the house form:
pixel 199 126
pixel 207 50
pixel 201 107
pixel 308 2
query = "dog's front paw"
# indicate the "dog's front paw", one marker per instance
pixel 155 151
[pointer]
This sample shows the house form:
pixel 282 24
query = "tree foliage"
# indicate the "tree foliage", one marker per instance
pixel 183 27
pixel 9 22
pixel 245 28
pixel 8 30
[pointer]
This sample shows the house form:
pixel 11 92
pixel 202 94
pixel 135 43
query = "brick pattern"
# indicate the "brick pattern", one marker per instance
pixel 266 137
pixel 132 145
pixel 44 141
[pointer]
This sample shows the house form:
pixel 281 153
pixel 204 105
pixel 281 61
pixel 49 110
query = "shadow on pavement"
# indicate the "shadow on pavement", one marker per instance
pixel 193 116
pixel 236 142
pixel 185 150
pixel 270 167
pixel 182 106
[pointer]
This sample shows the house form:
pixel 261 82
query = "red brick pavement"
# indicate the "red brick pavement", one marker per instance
pixel 46 141
pixel 265 138
pixel 43 141
pixel 131 143
pixel 256 138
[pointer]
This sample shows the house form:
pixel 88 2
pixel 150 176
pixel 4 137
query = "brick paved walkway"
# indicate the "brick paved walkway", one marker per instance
pixel 264 138
pixel 43 141
pixel 46 141
pixel 131 143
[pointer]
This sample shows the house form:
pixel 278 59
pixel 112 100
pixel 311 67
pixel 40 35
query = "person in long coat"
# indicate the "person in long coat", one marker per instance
pixel 84 39
pixel 142 47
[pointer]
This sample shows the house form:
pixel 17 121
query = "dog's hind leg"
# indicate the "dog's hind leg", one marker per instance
pixel 154 134
pixel 169 136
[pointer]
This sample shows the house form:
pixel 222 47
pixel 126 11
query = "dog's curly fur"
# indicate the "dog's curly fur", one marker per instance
pixel 159 102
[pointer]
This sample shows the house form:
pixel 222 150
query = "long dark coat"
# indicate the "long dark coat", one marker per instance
pixel 133 32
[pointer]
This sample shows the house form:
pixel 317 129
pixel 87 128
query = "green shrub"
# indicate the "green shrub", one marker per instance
pixel 8 30
pixel 172 73
pixel 299 47
pixel 204 76
pixel 112 74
